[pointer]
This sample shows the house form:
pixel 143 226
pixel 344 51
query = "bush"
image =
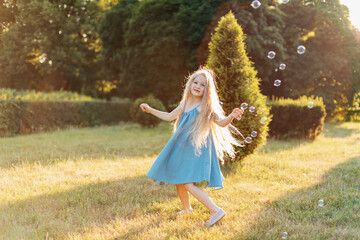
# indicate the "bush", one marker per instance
pixel 145 119
pixel 296 118
pixel 32 95
pixel 237 82
pixel 22 117
pixel 354 109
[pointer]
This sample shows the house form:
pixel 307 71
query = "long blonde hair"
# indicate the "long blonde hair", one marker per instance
pixel 210 109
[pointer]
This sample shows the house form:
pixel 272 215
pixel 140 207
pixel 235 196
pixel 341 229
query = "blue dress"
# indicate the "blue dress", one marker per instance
pixel 178 162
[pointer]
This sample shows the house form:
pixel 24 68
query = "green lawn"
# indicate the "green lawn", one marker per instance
pixel 91 184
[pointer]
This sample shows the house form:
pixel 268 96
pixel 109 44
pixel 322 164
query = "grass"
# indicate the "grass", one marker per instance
pixel 91 184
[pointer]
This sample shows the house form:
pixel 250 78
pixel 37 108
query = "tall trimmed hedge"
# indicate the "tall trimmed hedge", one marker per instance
pixel 22 117
pixel 300 118
pixel 237 82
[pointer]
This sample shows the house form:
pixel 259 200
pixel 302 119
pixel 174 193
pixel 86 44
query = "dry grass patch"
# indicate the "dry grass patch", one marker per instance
pixel 91 184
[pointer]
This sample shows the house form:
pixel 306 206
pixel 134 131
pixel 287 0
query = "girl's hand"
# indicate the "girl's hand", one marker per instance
pixel 145 108
pixel 237 113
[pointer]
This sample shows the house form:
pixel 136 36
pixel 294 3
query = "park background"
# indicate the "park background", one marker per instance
pixel 68 64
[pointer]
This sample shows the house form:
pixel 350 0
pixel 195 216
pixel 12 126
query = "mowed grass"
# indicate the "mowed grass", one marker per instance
pixel 91 184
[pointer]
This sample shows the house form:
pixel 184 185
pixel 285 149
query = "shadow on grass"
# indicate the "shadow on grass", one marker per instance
pixel 299 214
pixel 70 212
pixel 110 142
pixel 334 130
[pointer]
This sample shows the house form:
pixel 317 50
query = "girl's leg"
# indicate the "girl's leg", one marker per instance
pixel 202 196
pixel 184 197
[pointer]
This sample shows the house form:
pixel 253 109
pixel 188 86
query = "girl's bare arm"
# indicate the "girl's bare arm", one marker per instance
pixel 161 114
pixel 236 113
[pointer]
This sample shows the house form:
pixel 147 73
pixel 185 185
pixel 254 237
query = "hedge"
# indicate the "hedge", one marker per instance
pixel 353 112
pixel 23 117
pixel 295 119
pixel 353 115
pixel 146 119
pixel 9 94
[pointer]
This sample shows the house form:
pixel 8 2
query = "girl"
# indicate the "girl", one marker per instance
pixel 201 136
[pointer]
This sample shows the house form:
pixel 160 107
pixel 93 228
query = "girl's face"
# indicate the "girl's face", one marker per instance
pixel 198 86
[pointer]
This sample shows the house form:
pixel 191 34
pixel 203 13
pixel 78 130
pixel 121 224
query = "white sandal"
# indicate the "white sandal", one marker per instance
pixel 215 218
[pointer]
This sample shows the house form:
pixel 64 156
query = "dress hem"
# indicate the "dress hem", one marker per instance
pixel 196 181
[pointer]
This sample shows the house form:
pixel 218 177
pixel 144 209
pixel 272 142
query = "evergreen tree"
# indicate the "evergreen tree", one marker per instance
pixel 263 29
pixel 237 81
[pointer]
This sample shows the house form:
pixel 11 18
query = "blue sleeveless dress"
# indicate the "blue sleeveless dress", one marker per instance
pixel 178 163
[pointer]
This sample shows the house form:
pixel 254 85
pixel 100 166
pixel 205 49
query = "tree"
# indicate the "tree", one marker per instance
pixel 263 28
pixel 150 45
pixel 325 69
pixel 237 81
pixel 51 45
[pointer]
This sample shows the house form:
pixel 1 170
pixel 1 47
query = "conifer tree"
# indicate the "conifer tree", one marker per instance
pixel 237 82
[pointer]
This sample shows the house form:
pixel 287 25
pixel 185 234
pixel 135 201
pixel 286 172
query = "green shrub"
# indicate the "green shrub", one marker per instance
pixel 354 109
pixel 146 119
pixel 296 118
pixel 32 95
pixel 22 117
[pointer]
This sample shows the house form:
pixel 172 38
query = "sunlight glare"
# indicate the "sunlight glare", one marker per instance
pixel 354 8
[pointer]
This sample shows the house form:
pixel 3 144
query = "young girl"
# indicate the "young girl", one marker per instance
pixel 201 137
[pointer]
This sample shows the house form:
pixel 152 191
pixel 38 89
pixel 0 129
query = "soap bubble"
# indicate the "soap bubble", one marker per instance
pixel 284 235
pixel 263 120
pixel 277 83
pixel 248 140
pixel 256 4
pixel 301 49
pixel 244 106
pixel 253 134
pixel 321 203
pixel 310 105
pixel 271 54
pixel 252 109
pixel 282 66
pixel 42 58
